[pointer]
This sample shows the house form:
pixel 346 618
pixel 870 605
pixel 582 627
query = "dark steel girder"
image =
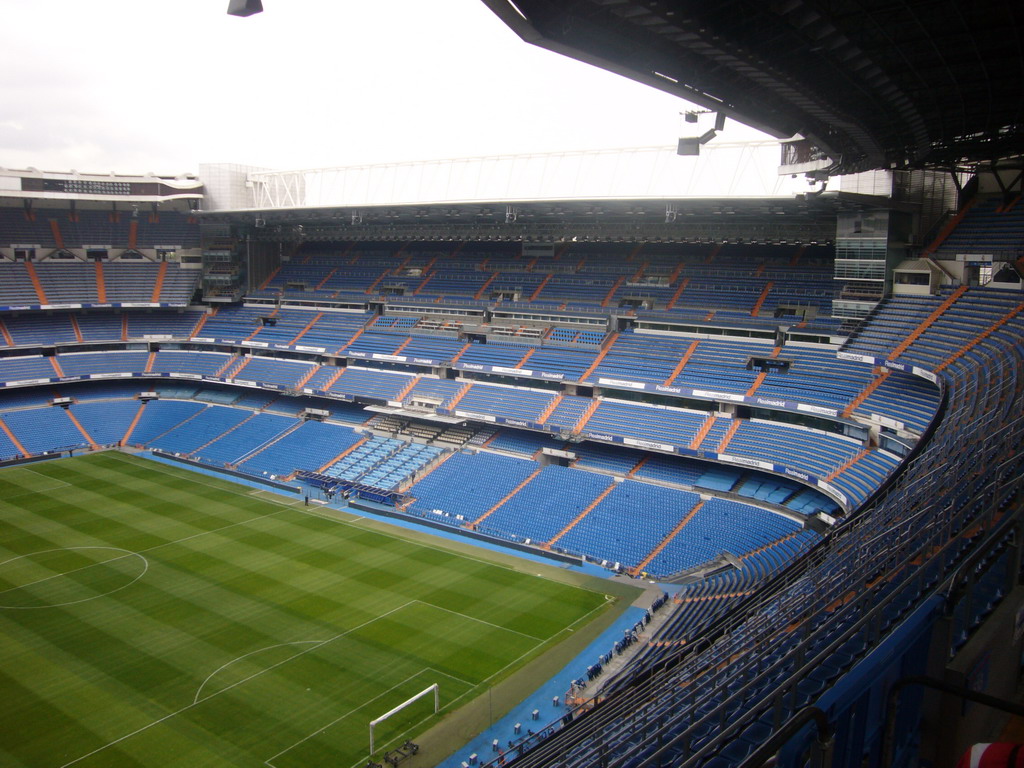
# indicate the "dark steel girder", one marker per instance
pixel 874 83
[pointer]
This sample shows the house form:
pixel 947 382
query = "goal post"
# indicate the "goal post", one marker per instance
pixel 403 705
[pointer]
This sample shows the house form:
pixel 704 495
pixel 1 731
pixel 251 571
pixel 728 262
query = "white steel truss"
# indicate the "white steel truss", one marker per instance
pixel 726 169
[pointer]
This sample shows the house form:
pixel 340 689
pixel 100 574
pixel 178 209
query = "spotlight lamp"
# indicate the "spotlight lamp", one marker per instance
pixel 244 7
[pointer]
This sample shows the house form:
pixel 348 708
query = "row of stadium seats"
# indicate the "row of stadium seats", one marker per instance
pixel 730 277
pixel 720 702
pixel 838 459
pixel 88 227
pixel 988 227
pixel 382 462
pixel 678 470
pixel 577 512
pixel 61 283
pixel 814 376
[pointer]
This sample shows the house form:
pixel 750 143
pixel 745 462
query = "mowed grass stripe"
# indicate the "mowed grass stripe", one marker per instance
pixel 90 517
pixel 17 481
pixel 67 580
pixel 224 606
pixel 39 721
pixel 257 708
pixel 322 746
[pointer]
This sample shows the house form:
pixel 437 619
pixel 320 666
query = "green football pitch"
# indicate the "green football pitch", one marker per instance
pixel 152 616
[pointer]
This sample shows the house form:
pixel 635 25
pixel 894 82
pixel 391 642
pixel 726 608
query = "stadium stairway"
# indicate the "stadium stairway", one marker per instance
pixel 134 423
pixel 40 293
pixel 865 393
pixel 80 428
pixel 101 286
pixel 476 523
pixel 639 567
pixel 158 286
pixel 354 447
pixel 927 322
pixel 576 520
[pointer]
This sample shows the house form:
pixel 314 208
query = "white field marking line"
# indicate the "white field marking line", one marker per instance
pixel 201 533
pixel 318 643
pixel 310 511
pixel 452 677
pixel 215 530
pixel 452 552
pixel 273 494
pixel 482 621
pixel 128 553
pixel 584 617
pixel 320 730
pixel 349 523
pixel 160 467
pixel 483 683
pixel 228 688
pixel 338 719
pixel 488 679
pixel 61 483
pixel 13 497
pixel 418 723
pixel 515 661
pixel 246 655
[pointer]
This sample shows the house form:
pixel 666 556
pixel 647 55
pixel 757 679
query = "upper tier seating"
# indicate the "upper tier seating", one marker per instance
pixel 41 330
pixel 516 402
pixel 95 227
pixel 193 363
pixel 74 282
pixel 114 361
pixel 741 279
pixel 987 228
pixel 673 426
pixel 814 376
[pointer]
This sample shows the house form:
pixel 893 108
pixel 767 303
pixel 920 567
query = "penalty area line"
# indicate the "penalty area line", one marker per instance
pixel 469 687
pixel 483 621
pixel 228 688
pixel 338 719
pixel 59 483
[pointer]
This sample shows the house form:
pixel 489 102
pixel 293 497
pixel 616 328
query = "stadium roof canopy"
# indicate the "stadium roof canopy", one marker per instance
pixel 871 83
pixel 808 218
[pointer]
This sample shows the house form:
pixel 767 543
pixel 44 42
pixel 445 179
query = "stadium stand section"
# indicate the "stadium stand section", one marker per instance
pixel 593 278
pixel 57 284
pixel 733 451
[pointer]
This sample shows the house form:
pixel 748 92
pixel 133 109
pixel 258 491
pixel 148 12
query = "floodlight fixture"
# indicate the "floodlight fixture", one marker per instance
pixel 688 147
pixel 244 7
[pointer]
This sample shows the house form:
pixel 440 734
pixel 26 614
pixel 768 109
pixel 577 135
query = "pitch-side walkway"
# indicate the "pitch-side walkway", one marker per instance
pixel 543 699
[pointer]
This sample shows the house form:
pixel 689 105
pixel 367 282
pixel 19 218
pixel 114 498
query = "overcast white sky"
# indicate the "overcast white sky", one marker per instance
pixel 163 85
